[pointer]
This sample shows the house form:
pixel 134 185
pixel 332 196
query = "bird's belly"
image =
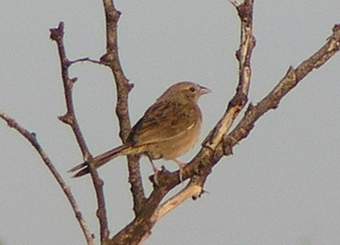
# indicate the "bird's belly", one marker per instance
pixel 175 147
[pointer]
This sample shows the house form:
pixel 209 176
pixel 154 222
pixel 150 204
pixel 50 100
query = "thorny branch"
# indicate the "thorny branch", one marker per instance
pixel 31 137
pixel 57 35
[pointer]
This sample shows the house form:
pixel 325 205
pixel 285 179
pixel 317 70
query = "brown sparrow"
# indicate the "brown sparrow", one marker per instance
pixel 168 129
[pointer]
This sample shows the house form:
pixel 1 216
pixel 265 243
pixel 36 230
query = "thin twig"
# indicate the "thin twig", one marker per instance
pixel 57 35
pixel 86 59
pixel 31 137
pixel 111 59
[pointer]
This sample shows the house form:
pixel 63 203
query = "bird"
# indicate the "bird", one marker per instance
pixel 169 128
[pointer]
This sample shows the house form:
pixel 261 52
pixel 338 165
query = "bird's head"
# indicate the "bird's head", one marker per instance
pixel 185 90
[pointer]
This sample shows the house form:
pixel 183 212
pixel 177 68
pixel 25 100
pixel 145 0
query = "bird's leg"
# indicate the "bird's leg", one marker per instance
pixel 180 165
pixel 155 170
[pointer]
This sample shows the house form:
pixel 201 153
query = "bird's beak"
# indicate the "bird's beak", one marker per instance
pixel 204 90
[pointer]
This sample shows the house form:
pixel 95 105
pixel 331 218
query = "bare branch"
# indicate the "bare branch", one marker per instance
pixel 86 59
pixel 31 137
pixel 57 35
pixel 192 190
pixel 243 55
pixel 111 59
pixel 287 83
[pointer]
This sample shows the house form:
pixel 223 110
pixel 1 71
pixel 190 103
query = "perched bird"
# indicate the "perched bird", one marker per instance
pixel 167 130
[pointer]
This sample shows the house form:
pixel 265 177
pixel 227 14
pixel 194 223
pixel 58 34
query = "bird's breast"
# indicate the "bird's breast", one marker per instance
pixel 179 145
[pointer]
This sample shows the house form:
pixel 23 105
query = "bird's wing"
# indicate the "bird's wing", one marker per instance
pixel 163 121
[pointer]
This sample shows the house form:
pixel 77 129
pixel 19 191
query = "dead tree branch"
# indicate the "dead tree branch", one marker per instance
pixel 111 59
pixel 292 78
pixel 31 137
pixel 57 35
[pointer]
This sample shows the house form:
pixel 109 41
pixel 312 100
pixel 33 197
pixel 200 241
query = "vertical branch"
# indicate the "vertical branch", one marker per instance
pixel 57 35
pixel 31 137
pixel 111 59
pixel 243 55
pixel 247 44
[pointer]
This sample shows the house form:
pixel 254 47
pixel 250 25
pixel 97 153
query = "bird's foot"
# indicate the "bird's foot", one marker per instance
pixel 158 174
pixel 180 174
pixel 181 166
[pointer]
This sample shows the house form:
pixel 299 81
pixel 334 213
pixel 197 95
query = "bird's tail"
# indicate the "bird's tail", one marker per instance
pixel 83 168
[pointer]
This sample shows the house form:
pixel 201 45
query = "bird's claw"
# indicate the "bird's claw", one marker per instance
pixel 180 174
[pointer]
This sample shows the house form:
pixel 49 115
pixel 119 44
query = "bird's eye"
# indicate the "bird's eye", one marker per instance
pixel 192 89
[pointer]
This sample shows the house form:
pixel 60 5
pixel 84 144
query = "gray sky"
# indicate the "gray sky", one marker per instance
pixel 282 185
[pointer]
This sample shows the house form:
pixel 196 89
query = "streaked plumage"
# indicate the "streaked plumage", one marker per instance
pixel 168 129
